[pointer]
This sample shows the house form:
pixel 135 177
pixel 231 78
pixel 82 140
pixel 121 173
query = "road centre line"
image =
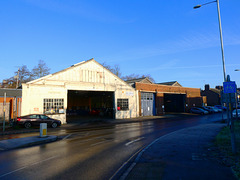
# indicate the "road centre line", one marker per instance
pixel 138 139
pixel 101 142
pixel 43 160
pixel 67 136
pixel 11 172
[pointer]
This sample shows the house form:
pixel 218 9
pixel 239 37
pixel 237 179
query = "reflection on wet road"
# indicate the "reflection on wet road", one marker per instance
pixel 89 153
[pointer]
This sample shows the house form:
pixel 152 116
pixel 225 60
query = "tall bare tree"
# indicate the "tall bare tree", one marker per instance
pixel 23 75
pixel 40 70
pixel 115 69
pixel 137 76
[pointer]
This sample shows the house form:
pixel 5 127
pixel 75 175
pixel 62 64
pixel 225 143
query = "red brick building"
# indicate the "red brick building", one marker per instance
pixel 156 99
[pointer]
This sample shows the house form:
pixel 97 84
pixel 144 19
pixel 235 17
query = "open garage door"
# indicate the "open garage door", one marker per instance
pixel 84 105
pixel 174 102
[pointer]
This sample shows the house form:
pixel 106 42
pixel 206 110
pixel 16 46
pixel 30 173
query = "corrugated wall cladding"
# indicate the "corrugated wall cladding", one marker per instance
pixel 89 72
pixel 12 107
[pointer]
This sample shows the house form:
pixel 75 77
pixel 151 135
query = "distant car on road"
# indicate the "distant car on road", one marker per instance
pixel 36 119
pixel 209 110
pixel 197 110
pixel 220 107
pixel 214 109
pixel 234 113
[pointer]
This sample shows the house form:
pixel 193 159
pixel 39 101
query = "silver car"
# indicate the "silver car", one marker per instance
pixel 234 113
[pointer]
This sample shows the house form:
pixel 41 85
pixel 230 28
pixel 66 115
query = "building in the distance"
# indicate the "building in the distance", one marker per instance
pixel 156 99
pixel 212 96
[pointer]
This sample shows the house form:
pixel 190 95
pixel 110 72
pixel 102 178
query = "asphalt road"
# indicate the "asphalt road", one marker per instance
pixel 94 153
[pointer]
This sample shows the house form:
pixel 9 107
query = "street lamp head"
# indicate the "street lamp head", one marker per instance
pixel 197 6
pixel 237 69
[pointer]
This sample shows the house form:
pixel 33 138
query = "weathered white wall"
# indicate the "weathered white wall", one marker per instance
pixel 33 96
pixel 88 76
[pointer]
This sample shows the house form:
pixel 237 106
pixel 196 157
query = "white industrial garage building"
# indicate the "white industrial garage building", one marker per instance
pixel 84 89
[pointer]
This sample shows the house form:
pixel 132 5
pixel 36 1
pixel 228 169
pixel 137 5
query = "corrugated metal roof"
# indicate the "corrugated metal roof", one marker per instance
pixel 171 83
pixel 10 92
pixel 138 80
pixel 134 80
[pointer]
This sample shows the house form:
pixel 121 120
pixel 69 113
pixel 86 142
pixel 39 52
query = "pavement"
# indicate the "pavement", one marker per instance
pixel 181 155
pixel 25 142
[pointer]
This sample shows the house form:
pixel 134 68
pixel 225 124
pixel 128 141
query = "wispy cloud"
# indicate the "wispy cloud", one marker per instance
pixel 84 9
pixel 187 42
pixel 166 67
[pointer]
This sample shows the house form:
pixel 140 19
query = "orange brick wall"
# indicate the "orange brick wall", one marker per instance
pixel 193 95
pixel 10 100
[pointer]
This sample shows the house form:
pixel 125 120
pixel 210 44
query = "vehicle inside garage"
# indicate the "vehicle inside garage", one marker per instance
pixel 84 105
pixel 174 102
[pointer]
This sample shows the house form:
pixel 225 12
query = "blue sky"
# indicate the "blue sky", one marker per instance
pixel 167 39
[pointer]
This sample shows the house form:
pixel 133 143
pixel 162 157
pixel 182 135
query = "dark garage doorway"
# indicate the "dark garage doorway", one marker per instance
pixel 89 105
pixel 174 102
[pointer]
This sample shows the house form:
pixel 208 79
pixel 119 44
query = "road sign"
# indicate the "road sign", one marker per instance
pixel 229 87
pixel 227 98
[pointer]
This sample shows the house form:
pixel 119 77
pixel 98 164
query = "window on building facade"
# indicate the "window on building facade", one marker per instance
pixel 122 104
pixel 146 96
pixel 51 106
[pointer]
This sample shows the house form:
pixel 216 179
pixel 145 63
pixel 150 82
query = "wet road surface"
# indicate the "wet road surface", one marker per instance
pixel 94 153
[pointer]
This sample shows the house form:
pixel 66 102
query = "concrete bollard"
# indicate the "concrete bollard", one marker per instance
pixel 43 129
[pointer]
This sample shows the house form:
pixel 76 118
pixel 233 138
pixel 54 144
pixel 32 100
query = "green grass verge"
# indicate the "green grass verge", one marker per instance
pixel 224 148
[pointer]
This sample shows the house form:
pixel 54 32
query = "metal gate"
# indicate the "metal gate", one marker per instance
pixel 147 104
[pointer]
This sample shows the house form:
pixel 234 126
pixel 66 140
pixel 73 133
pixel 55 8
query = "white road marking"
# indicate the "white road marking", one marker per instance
pixel 26 167
pixel 140 152
pixel 12 172
pixel 198 157
pixel 100 142
pixel 43 160
pixel 123 177
pixel 126 163
pixel 67 136
pixel 138 139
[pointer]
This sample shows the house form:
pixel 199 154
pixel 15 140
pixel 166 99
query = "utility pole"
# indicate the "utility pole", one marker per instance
pixel 4 109
pixel 17 79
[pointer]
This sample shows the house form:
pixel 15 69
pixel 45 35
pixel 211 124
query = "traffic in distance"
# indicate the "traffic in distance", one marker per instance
pixel 207 109
pixel 215 109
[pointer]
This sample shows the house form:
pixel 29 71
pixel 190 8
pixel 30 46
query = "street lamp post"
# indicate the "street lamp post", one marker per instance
pixel 224 70
pixel 220 31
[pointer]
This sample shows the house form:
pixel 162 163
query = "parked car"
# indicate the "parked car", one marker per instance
pixel 221 107
pixel 209 110
pixel 215 110
pixel 234 113
pixel 35 120
pixel 197 110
